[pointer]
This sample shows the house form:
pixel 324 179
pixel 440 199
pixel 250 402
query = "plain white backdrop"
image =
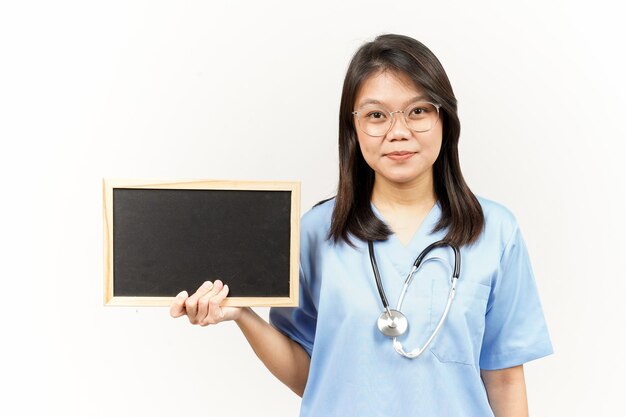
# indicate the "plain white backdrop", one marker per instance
pixel 250 90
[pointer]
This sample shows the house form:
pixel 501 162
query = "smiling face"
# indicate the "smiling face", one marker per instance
pixel 402 156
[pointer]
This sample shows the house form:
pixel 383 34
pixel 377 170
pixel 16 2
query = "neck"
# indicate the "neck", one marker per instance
pixel 415 195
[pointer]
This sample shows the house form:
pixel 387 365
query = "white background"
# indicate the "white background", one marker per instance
pixel 250 90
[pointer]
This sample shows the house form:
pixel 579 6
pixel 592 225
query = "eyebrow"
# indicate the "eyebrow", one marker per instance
pixel 374 101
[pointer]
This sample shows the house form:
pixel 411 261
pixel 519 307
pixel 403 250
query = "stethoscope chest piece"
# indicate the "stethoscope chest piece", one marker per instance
pixel 393 326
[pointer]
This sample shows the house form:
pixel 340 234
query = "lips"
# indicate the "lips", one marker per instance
pixel 399 155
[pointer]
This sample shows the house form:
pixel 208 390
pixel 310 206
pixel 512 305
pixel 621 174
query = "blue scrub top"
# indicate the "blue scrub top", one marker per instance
pixel 495 321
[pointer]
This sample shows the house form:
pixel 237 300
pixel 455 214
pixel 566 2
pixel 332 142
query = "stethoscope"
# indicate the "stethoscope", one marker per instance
pixel 392 323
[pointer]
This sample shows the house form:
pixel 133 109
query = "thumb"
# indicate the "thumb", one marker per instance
pixel 177 308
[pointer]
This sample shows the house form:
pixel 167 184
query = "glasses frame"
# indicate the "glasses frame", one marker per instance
pixel 406 123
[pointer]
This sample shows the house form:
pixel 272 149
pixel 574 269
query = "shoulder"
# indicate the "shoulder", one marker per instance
pixel 315 225
pixel 314 230
pixel 500 236
pixel 495 210
pixel 318 218
pixel 500 222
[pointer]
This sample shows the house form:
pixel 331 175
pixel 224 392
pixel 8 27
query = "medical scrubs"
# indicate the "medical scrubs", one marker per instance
pixel 495 321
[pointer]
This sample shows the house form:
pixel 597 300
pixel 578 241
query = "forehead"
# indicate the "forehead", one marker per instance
pixel 387 87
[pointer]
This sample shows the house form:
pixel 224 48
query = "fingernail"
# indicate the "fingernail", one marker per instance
pixel 182 294
pixel 218 282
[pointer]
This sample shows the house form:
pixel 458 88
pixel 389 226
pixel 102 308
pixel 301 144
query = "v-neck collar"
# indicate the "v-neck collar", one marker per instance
pixel 402 257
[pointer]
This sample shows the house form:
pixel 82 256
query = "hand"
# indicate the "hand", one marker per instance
pixel 203 307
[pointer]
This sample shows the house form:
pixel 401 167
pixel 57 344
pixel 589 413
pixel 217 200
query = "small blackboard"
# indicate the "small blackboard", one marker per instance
pixel 162 237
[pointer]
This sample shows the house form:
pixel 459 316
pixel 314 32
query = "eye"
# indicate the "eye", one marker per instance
pixel 375 115
pixel 421 110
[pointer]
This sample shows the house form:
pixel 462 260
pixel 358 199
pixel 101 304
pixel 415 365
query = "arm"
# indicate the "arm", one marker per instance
pixel 286 359
pixel 506 390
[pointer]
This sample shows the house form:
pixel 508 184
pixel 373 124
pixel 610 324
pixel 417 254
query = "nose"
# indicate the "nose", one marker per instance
pixel 398 130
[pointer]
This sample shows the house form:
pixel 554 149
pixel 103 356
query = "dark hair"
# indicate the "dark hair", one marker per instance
pixel 461 211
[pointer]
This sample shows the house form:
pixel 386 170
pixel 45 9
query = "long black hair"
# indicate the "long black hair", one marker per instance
pixel 461 211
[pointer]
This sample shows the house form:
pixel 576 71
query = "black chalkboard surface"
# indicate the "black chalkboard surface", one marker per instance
pixel 162 237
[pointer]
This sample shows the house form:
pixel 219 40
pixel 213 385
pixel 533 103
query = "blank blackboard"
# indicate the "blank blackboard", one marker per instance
pixel 162 237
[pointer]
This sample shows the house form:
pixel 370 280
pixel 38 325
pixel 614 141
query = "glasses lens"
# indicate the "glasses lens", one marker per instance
pixel 422 116
pixel 374 121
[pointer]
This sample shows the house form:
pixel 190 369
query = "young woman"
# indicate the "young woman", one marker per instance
pixel 400 190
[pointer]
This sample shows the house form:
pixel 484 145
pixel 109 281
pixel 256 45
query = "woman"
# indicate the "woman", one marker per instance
pixel 401 188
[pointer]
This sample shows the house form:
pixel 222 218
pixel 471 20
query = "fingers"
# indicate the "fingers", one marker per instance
pixel 203 302
pixel 215 313
pixel 177 308
pixel 191 304
pixel 203 307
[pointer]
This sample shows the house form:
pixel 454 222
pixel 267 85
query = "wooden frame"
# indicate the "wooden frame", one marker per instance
pixel 108 185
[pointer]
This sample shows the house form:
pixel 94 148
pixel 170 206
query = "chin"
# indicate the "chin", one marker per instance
pixel 401 179
pixel 403 176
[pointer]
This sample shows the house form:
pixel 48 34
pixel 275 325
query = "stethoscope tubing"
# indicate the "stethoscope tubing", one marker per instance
pixel 379 284
pixel 418 351
pixel 416 265
pixel 389 327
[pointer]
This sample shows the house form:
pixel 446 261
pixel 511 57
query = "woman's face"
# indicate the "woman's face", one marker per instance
pixel 401 156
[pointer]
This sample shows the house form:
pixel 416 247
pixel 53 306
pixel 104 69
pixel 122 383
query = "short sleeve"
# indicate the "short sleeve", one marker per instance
pixel 515 327
pixel 298 323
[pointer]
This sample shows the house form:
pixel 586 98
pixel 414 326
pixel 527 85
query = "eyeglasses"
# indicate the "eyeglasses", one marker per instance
pixel 374 120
